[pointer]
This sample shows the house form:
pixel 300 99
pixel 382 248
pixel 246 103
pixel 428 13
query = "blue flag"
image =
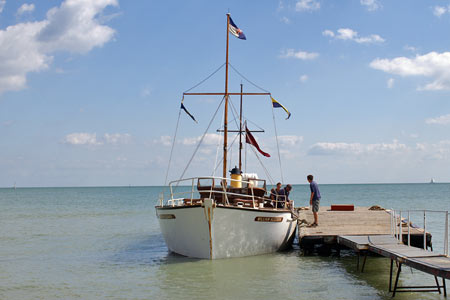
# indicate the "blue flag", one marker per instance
pixel 188 113
pixel 235 30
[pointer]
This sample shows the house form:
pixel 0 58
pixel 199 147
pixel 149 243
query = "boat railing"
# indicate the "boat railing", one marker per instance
pixel 401 217
pixel 178 198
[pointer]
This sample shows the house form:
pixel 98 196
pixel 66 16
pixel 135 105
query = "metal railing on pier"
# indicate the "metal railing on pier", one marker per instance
pixel 398 220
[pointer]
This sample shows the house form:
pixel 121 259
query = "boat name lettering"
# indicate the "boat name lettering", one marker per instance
pixel 166 216
pixel 269 219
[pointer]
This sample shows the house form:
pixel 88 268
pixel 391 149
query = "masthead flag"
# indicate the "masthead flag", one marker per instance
pixel 276 104
pixel 235 30
pixel 250 139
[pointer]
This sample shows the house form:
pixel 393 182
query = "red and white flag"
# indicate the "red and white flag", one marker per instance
pixel 250 139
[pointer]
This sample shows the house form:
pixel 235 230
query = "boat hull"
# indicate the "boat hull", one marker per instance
pixel 213 232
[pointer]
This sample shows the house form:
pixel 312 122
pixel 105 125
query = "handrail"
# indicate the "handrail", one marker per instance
pixel 223 191
pixel 216 177
pixel 397 230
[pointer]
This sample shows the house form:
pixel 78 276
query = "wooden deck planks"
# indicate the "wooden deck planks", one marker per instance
pixel 361 221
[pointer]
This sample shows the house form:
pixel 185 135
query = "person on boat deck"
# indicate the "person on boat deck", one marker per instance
pixel 283 197
pixel 314 200
pixel 274 193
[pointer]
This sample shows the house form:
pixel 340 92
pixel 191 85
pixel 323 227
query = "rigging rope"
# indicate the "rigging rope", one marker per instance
pixel 264 168
pixel 273 115
pixel 259 127
pixel 278 145
pixel 171 149
pixel 217 149
pixel 245 78
pixel 217 70
pixel 201 140
pixel 228 148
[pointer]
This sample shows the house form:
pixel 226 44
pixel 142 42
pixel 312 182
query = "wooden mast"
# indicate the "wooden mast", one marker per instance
pixel 225 124
pixel 240 134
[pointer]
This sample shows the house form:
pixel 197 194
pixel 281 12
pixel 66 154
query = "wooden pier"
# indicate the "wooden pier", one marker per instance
pixel 361 221
pixel 428 262
pixel 370 231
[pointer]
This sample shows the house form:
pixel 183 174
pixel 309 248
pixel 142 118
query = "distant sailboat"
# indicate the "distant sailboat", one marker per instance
pixel 14 186
pixel 432 180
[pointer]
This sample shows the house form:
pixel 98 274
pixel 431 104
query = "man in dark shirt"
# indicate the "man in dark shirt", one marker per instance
pixel 314 201
pixel 274 193
pixel 283 197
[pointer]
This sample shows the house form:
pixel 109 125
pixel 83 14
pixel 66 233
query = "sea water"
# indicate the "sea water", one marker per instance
pixel 105 243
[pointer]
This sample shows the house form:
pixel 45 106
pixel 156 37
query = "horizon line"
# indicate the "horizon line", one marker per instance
pixel 135 186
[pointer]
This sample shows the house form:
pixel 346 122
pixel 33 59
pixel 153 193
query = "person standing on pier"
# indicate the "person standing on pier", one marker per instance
pixel 314 201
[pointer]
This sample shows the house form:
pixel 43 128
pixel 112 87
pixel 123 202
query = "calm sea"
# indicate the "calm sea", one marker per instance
pixel 105 243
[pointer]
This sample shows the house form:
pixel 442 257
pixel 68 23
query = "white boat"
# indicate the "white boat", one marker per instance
pixel 222 217
pixel 432 180
pixel 208 227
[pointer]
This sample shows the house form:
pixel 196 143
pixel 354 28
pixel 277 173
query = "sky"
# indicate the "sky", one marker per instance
pixel 90 90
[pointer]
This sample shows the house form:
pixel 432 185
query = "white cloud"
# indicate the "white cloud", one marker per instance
pixel 2 5
pixel 28 47
pixel 390 83
pixel 25 8
pixel 285 20
pixel 436 151
pixel 82 138
pixel 420 146
pixel 440 10
pixel 326 148
pixel 117 138
pixel 290 140
pixel 164 140
pixel 209 139
pixel 303 78
pixel 307 5
pixel 410 48
pixel 328 33
pixel 352 35
pixel 441 120
pixel 85 138
pixel 303 55
pixel 434 65
pixel 371 5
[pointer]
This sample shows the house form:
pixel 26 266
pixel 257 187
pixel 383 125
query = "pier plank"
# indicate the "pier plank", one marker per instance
pixel 361 221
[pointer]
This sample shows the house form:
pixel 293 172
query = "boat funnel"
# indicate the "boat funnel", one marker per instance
pixel 236 176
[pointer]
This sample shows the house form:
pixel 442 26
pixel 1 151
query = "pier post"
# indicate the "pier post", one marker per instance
pixel 390 275
pixel 399 270
pixel 424 230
